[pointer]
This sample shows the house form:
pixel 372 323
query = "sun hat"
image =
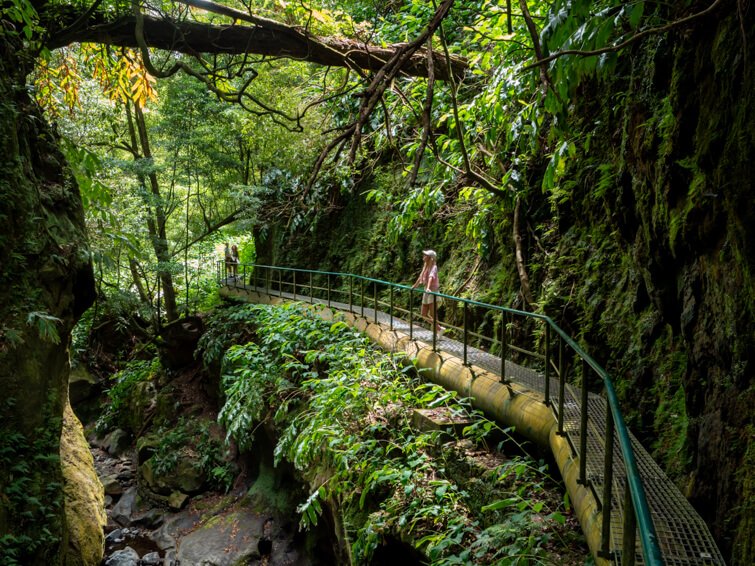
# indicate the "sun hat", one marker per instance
pixel 430 253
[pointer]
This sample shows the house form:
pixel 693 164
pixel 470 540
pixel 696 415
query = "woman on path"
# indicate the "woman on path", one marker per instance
pixel 429 279
pixel 234 260
pixel 228 260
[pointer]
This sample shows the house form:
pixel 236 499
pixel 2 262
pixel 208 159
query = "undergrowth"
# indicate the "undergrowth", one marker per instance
pixel 30 504
pixel 116 411
pixel 343 413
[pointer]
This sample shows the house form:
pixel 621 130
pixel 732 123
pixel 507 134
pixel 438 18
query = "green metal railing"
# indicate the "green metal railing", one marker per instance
pixel 551 351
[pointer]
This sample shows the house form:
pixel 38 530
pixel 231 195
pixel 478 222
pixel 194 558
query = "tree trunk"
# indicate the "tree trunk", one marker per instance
pixel 156 217
pixel 521 265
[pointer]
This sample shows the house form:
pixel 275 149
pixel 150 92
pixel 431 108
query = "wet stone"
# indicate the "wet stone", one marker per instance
pixel 151 559
pixel 114 537
pixel 125 557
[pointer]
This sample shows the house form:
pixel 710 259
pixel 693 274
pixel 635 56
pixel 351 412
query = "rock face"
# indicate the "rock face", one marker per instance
pixel 240 536
pixel 179 340
pixel 84 496
pixel 186 477
pixel 46 282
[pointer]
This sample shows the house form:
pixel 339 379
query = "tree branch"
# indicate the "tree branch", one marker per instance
pixel 426 119
pixel 263 37
pixel 210 230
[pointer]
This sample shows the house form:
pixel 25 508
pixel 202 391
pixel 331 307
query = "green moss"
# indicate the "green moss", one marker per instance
pixel 84 497
pixel 744 535
pixel 265 494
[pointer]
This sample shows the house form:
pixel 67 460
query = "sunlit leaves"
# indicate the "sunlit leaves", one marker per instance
pixel 56 82
pixel 121 74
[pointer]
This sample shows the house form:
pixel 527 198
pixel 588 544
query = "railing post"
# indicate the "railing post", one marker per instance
pixel 294 285
pixel 629 528
pixel 280 283
pixel 504 346
pixel 391 307
pixel 466 331
pixel 374 300
pixel 328 291
pixel 435 322
pixel 311 295
pixel 411 314
pixel 561 386
pixel 547 364
pixel 351 293
pixel 361 295
pixel 605 545
pixel 268 280
pixel 583 428
pixel 243 277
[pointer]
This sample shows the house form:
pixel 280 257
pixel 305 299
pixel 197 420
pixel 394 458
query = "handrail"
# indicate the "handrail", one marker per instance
pixel 637 499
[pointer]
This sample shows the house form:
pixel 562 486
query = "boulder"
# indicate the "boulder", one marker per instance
pixel 150 519
pixel 146 446
pixel 112 485
pixel 124 509
pixel 83 494
pixel 224 540
pixel 126 557
pixel 186 477
pixel 165 537
pixel 179 340
pixel 177 500
pixel 117 442
pixel 141 406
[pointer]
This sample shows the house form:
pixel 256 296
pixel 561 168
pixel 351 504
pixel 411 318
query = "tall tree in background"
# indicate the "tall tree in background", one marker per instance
pixel 47 279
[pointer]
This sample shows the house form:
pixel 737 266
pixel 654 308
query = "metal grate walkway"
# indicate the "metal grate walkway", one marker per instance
pixel 683 536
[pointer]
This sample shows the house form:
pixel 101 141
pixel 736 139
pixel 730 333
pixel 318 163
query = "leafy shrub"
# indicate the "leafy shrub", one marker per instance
pixel 197 435
pixel 31 503
pixel 344 412
pixel 116 410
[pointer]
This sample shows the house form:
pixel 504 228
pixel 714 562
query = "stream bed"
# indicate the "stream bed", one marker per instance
pixel 211 530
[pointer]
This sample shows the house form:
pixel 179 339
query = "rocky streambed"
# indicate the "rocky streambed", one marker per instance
pixel 209 529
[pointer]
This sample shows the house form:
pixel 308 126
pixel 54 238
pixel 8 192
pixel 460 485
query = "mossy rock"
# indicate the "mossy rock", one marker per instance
pixel 186 476
pixel 146 446
pixel 143 397
pixel 84 496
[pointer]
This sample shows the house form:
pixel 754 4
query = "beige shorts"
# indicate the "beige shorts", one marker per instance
pixel 427 299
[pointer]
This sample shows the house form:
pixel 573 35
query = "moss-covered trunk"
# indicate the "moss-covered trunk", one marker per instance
pixel 46 282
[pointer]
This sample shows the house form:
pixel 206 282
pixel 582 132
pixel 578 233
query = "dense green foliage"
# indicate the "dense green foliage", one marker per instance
pixel 118 411
pixel 607 188
pixel 342 412
pixel 25 464
pixel 212 458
